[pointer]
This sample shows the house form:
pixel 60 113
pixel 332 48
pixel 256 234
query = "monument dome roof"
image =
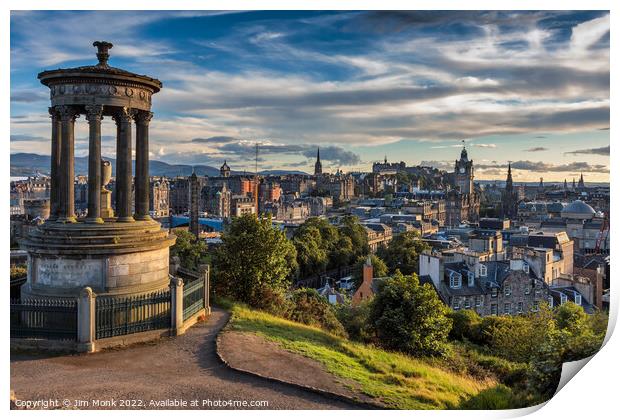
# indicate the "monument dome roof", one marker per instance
pixel 578 207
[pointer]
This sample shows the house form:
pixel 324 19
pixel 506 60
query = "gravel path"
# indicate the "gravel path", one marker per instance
pixel 183 368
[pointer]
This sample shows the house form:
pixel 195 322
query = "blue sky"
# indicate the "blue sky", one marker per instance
pixel 529 87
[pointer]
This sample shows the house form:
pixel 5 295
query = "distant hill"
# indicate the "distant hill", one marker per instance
pixel 25 164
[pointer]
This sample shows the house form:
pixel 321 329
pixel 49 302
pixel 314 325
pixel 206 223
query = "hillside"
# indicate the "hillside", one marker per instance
pixel 391 379
pixel 26 164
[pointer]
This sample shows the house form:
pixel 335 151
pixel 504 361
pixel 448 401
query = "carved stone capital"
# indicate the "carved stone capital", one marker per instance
pixel 67 113
pixel 143 117
pixel 124 115
pixel 53 113
pixel 94 112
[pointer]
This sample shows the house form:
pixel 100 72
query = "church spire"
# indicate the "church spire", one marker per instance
pixel 318 167
pixel 509 178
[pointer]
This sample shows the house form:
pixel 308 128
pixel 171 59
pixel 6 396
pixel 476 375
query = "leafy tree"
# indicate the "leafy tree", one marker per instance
pixel 352 229
pixel 379 269
pixel 465 324
pixel 18 271
pixel 403 252
pixel 254 255
pixel 191 252
pixel 312 257
pixel 570 316
pixel 409 317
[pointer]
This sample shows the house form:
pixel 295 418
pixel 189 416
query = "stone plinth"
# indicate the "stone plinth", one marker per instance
pixel 113 259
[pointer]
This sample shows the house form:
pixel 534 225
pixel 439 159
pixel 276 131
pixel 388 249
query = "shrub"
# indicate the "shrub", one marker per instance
pixel 18 271
pixel 273 301
pixel 465 325
pixel 409 317
pixel 499 397
pixel 310 308
pixel 355 320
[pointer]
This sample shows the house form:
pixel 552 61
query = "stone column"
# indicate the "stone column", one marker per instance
pixel 142 165
pixel 55 163
pixel 66 177
pixel 86 321
pixel 123 164
pixel 176 306
pixel 94 115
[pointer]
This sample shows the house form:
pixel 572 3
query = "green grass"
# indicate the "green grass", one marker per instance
pixel 396 380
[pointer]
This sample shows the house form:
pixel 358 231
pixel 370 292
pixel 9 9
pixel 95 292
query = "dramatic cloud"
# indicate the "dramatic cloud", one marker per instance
pixel 214 139
pixel 536 149
pixel 529 165
pixel 604 151
pixel 353 82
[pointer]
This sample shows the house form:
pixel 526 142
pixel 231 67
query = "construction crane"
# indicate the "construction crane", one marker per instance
pixel 602 234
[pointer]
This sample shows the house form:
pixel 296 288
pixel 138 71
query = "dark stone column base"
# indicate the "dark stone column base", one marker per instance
pixel 125 219
pixel 96 220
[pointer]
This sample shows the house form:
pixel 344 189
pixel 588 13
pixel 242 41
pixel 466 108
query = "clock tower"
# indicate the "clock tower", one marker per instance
pixel 464 173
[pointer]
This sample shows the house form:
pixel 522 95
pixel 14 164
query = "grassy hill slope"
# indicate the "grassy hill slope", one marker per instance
pixel 397 380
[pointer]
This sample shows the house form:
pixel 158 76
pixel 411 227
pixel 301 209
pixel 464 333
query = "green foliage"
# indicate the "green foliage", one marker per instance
pixel 18 271
pixel 356 320
pixel 321 245
pixel 403 252
pixel 191 252
pixel 310 308
pixel 379 269
pixel 410 318
pixel 312 257
pixel 499 397
pixel 465 324
pixel 255 258
pixel 570 316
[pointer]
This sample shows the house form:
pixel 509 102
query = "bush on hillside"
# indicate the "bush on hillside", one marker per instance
pixel 310 308
pixel 355 320
pixel 465 325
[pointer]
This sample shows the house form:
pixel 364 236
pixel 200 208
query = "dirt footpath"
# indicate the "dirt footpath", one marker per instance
pixel 158 375
pixel 253 353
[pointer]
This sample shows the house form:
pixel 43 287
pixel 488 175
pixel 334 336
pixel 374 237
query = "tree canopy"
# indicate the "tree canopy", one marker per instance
pixel 191 251
pixel 254 256
pixel 409 317
pixel 403 252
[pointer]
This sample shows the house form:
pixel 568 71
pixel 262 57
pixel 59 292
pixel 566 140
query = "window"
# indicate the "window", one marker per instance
pixel 535 306
pixel 455 280
pixel 527 290
pixel 577 298
pixel 551 301
pixel 507 308
pixel 520 307
pixel 494 309
pixel 478 301
pixel 507 290
pixel 563 298
pixel 467 303
pixel 470 279
pixel 456 304
pixel 526 267
pixel 483 270
pixel 494 292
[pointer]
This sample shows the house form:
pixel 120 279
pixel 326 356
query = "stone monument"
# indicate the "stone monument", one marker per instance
pixel 116 253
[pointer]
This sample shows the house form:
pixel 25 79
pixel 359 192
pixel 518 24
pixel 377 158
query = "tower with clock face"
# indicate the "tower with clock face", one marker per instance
pixel 464 173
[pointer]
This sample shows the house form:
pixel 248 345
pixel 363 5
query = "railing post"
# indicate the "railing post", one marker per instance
pixel 206 274
pixel 86 321
pixel 176 305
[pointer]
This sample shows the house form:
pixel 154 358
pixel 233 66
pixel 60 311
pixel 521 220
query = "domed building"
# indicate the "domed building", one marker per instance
pixel 578 210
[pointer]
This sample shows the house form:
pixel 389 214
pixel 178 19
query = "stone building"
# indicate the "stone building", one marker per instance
pixel 510 198
pixel 462 202
pixel 217 200
pixel 159 197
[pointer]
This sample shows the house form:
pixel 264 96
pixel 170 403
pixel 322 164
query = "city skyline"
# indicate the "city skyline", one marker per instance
pixel 360 85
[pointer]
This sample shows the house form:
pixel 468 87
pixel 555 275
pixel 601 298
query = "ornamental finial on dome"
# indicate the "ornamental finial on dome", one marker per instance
pixel 102 52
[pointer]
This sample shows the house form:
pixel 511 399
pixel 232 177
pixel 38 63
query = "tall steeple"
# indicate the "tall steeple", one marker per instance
pixel 509 179
pixel 581 184
pixel 318 167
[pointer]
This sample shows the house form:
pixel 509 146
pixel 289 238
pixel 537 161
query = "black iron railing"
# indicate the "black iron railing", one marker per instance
pixel 54 319
pixel 121 316
pixel 193 297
